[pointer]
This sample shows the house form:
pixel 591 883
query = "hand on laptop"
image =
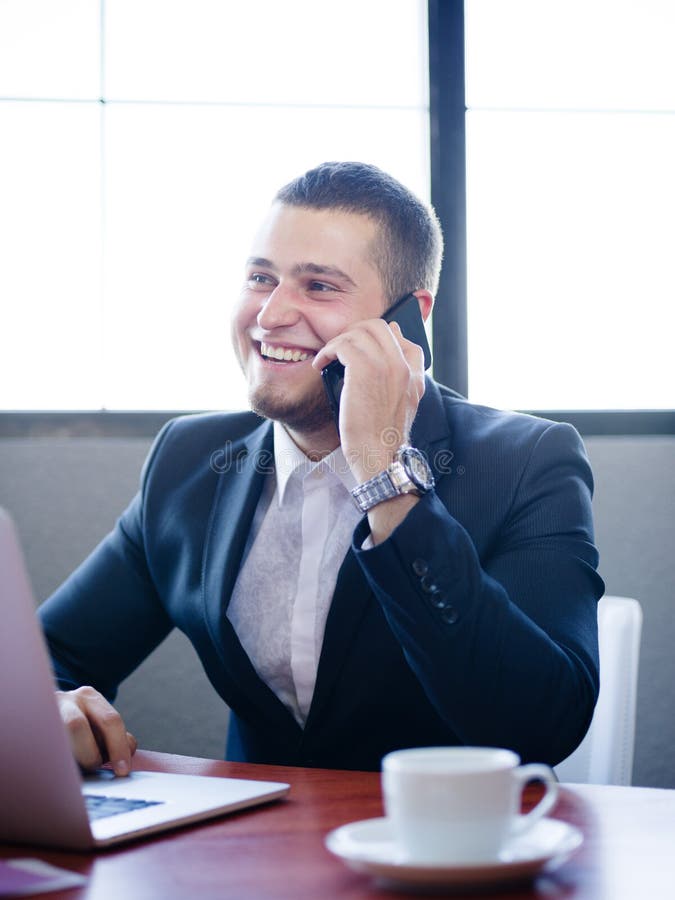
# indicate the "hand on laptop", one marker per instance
pixel 97 732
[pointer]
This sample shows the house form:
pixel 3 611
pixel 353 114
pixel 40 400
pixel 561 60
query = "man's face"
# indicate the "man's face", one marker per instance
pixel 309 276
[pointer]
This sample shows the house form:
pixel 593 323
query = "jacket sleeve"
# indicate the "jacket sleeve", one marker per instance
pixel 106 617
pixel 504 644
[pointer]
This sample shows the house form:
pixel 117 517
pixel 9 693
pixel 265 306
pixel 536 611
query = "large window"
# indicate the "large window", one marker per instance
pixel 570 203
pixel 141 143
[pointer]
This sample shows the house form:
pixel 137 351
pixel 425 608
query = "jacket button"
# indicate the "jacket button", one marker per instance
pixel 420 567
pixel 428 585
pixel 439 600
pixel 449 615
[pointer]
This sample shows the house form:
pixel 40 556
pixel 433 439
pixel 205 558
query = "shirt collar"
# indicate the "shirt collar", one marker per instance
pixel 288 457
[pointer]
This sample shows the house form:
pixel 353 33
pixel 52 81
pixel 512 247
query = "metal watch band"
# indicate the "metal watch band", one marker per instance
pixel 375 490
pixel 409 473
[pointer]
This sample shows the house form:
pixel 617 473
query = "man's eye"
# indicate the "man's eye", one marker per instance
pixel 259 278
pixel 321 286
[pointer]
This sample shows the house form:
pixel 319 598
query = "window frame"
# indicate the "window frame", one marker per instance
pixel 448 195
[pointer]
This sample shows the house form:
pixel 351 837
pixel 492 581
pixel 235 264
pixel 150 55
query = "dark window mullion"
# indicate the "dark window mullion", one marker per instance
pixel 447 110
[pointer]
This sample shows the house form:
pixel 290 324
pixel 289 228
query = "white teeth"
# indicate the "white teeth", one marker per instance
pixel 281 353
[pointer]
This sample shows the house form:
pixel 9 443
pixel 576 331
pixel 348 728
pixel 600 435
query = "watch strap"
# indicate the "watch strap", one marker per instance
pixel 375 490
pixel 395 480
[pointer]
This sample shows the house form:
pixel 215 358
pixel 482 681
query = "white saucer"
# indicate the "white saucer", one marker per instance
pixel 368 846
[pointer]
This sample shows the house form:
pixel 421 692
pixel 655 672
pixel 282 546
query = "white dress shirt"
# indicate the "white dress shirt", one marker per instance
pixel 301 533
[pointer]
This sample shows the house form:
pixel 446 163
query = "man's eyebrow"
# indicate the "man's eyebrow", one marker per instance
pixel 316 269
pixel 259 261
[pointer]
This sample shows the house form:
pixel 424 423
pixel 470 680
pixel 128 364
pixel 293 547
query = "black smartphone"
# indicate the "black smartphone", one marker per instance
pixel 406 312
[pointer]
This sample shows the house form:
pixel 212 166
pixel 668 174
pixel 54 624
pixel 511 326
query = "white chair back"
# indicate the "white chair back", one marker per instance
pixel 605 756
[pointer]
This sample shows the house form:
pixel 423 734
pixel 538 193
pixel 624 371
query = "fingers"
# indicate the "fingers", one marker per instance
pixel 133 743
pixel 379 347
pixel 368 337
pixel 97 732
pixel 378 352
pixel 414 356
pixel 384 381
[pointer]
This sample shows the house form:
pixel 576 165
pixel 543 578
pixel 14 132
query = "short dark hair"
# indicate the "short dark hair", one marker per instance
pixel 409 248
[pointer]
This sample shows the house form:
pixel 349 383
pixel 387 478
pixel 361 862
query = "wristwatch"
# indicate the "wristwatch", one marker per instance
pixel 409 473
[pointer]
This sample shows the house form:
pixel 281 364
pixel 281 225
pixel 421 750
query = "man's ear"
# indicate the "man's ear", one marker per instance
pixel 426 302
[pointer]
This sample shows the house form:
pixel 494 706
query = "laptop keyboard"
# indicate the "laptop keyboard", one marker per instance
pixel 100 806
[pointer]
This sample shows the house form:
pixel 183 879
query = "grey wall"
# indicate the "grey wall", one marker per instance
pixel 65 494
pixel 635 532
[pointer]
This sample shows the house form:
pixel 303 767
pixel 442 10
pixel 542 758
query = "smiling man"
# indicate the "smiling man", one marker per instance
pixel 424 575
pixel 312 278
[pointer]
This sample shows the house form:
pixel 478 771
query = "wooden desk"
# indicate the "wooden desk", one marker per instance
pixel 277 851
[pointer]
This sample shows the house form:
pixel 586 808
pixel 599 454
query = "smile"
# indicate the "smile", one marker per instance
pixel 283 354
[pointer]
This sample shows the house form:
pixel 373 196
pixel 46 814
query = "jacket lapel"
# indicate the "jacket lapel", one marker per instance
pixel 243 467
pixel 431 431
pixel 350 601
pixel 352 597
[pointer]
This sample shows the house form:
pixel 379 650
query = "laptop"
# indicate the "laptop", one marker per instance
pixel 44 799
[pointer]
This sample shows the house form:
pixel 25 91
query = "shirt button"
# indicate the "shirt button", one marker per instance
pixel 449 615
pixel 420 567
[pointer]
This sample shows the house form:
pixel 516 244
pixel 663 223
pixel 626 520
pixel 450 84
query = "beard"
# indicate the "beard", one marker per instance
pixel 310 414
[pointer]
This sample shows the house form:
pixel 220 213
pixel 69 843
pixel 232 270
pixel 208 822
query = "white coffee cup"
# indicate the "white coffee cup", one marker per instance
pixel 450 805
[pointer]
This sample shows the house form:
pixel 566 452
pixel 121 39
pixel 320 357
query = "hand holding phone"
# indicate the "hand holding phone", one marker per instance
pixel 406 312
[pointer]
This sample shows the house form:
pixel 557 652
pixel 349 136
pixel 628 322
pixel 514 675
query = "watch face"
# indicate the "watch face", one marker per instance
pixel 417 468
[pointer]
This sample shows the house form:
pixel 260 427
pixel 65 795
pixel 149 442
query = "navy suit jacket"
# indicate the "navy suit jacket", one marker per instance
pixel 473 623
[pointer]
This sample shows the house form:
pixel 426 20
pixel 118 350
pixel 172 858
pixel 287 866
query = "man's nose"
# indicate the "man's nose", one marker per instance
pixel 279 309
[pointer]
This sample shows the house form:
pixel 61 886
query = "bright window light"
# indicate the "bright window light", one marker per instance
pixel 570 54
pixel 176 246
pixel 129 198
pixel 369 53
pixel 50 49
pixel 50 275
pixel 571 203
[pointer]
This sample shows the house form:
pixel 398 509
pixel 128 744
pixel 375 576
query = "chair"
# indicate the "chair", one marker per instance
pixel 605 756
